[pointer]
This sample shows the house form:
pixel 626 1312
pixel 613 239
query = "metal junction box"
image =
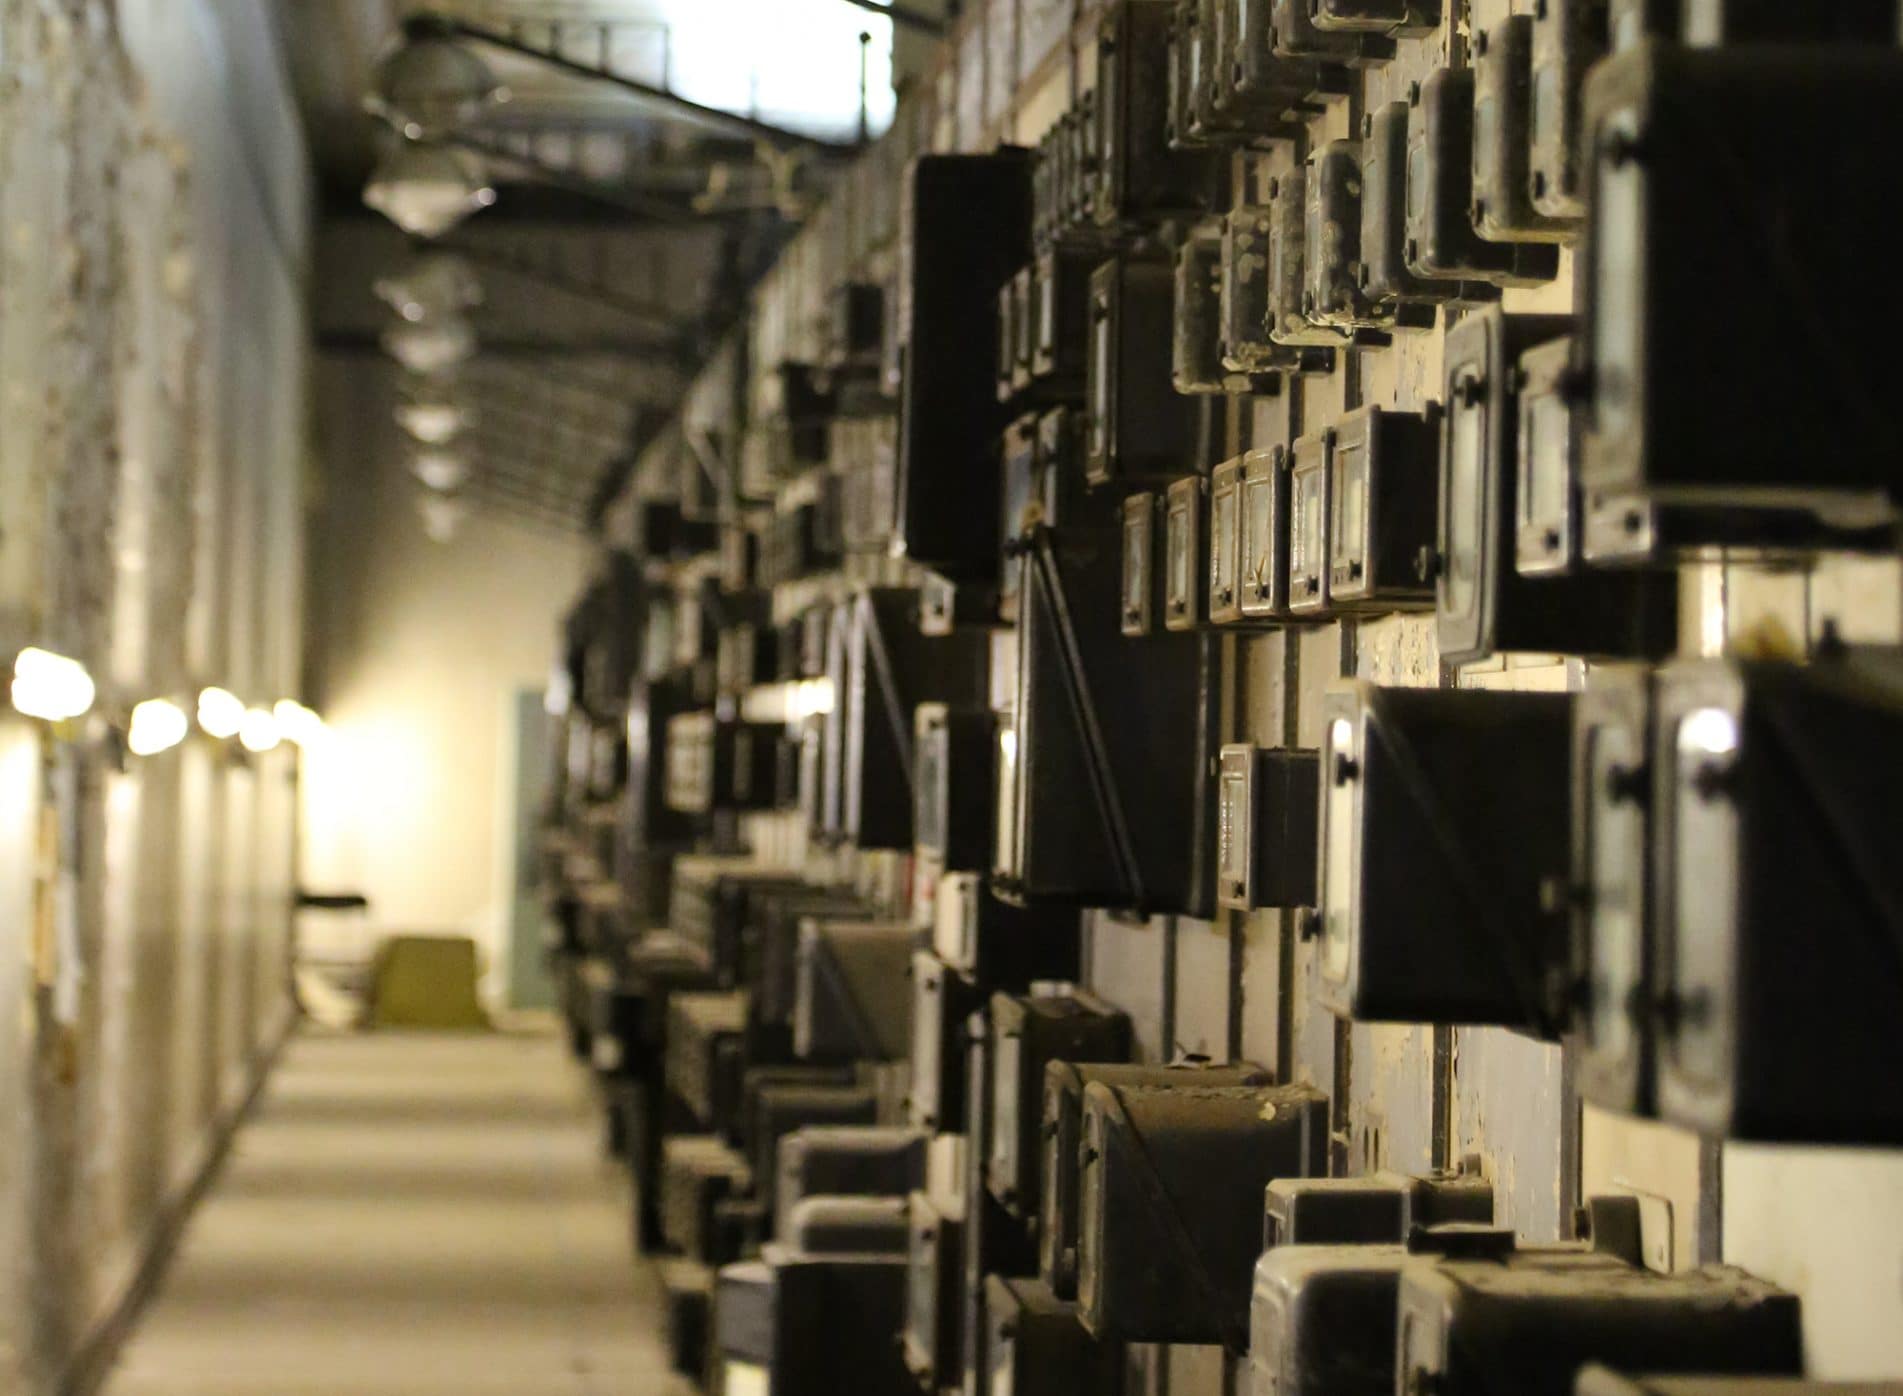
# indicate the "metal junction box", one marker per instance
pixel 1224 602
pixel 1265 828
pixel 1263 561
pixel 1166 1171
pixel 1320 1320
pixel 1308 569
pixel 1244 299
pixel 1063 1139
pixel 1334 293
pixel 1140 177
pixel 776 1108
pixel 1441 240
pixel 1185 521
pixel 1485 606
pixel 1107 777
pixel 1385 274
pixel 891 668
pixel 1402 18
pixel 716 763
pixel 1141 579
pixel 934 1308
pixel 1374 1209
pixel 1714 22
pixel 1382 491
pixel 1530 1319
pixel 1028 1032
pixel 854 1000
pixel 697 1170
pixel 706 1054
pixel 1444 814
pixel 952 780
pixel 1137 426
pixel 1773 808
pixel 995 944
pixel 1295 32
pixel 1692 403
pixel 965 226
pixel 941 1001
pixel 1610 899
pixel 848 1161
pixel 1569 36
pixel 766 1312
pixel 1547 503
pixel 1035 1342
pixel 1503 206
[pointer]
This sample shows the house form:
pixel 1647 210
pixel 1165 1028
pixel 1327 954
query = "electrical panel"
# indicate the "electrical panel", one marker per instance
pixel 1139 177
pixel 1441 239
pixel 1165 1171
pixel 715 763
pixel 1484 605
pixel 941 1001
pixel 1142 582
pixel 1265 828
pixel 1263 552
pixel 703 1068
pixel 1197 359
pixel 934 1313
pixel 1381 496
pixel 1335 291
pixel 1028 1032
pixel 1399 18
pixel 1770 810
pixel 854 1000
pixel 952 779
pixel 1569 36
pixel 848 1161
pixel 1105 777
pixel 697 1170
pixel 1136 426
pixel 1609 893
pixel 1224 603
pixel 1060 1171
pixel 845 1225
pixel 1036 1342
pixel 891 666
pixel 1296 31
pixel 767 1310
pixel 1799 361
pixel 1245 297
pixel 994 943
pixel 1309 477
pixel 1387 273
pixel 1540 1314
pixel 1503 205
pixel 1444 813
pixel 1185 509
pixel 774 1109
pixel 1373 1209
pixel 964 229
pixel 1710 22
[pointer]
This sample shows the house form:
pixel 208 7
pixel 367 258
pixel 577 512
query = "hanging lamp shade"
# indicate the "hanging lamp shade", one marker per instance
pixel 428 190
pixel 428 87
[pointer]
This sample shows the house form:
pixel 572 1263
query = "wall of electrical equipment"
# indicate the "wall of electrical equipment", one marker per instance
pixel 1247 720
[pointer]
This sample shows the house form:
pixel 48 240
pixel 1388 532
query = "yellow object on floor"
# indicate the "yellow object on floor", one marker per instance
pixel 426 982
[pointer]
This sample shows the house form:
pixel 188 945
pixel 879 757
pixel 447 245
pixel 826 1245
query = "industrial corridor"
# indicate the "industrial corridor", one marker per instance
pixel 951 698
pixel 410 1214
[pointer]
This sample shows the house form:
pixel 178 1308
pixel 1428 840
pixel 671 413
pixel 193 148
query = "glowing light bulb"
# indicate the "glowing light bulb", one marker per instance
pixel 297 724
pixel 430 346
pixel 258 731
pixel 50 686
pixel 427 190
pixel 158 724
pixel 440 470
pixel 221 713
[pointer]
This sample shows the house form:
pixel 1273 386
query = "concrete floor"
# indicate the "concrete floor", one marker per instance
pixel 409 1215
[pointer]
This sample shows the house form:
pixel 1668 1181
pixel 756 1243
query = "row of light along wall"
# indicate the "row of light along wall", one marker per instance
pixel 54 688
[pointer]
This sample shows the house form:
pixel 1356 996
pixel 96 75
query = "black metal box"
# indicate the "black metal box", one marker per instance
pixel 1694 399
pixel 1485 606
pixel 1529 1320
pixel 932 1339
pixel 1444 815
pixel 1137 426
pixel 847 1161
pixel 1265 827
pixel 941 1001
pixel 1775 808
pixel 1061 1169
pixel 1166 1172
pixel 854 999
pixel 1035 1342
pixel 1441 240
pixel 1028 1032
pixel 1382 491
pixel 1503 206
pixel 965 228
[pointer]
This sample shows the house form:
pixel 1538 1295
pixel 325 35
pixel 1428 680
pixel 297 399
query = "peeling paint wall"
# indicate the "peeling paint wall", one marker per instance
pixel 151 371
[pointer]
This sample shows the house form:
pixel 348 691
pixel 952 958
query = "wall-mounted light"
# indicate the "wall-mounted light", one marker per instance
pixel 220 713
pixel 440 470
pixel 431 86
pixel 434 423
pixel 297 724
pixel 432 346
pixel 427 190
pixel 157 724
pixel 50 686
pixel 258 730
